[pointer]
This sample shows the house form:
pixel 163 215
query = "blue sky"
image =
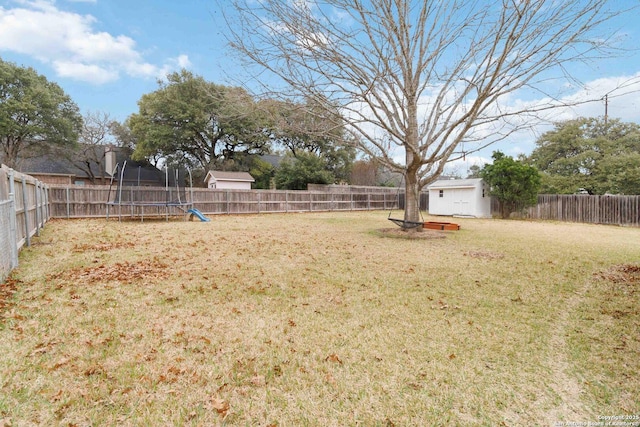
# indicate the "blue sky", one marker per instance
pixel 107 53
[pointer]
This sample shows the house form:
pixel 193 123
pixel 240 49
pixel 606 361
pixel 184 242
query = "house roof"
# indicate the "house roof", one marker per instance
pixel 455 183
pixel 52 164
pixel 47 164
pixel 229 176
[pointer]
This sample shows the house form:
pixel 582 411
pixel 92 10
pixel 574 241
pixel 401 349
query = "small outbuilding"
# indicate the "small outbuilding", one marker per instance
pixel 460 197
pixel 220 180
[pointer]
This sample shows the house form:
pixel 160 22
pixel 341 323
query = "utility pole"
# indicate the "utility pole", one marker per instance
pixel 606 109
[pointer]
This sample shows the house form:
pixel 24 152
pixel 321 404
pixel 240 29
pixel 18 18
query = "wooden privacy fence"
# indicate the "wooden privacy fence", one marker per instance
pixel 91 201
pixel 619 210
pixel 24 209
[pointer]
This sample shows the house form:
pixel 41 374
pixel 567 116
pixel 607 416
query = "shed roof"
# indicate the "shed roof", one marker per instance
pixel 455 183
pixel 229 176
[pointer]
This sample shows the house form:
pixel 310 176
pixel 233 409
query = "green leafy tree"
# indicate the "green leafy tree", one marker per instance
pixel 620 174
pixel 262 172
pixel 474 171
pixel 122 135
pixel 589 153
pixel 306 128
pixel 35 114
pixel 512 182
pixel 190 120
pixel 294 173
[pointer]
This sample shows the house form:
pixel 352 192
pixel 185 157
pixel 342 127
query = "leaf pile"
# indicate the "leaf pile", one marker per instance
pixel 625 278
pixel 124 272
pixel 102 246
pixel 7 289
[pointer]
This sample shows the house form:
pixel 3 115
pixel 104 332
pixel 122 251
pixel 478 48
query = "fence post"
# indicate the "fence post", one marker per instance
pixel 13 222
pixel 258 198
pixel 47 206
pixel 25 211
pixel 67 193
pixel 36 193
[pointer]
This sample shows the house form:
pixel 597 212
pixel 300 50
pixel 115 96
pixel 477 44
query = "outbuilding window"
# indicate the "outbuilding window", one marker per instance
pixel 441 193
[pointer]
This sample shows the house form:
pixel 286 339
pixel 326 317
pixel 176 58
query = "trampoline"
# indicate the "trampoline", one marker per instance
pixel 138 191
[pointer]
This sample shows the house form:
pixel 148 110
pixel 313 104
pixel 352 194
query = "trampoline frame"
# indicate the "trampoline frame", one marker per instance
pixel 172 207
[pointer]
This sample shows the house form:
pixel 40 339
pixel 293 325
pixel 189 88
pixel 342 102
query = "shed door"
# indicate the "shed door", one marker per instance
pixel 461 204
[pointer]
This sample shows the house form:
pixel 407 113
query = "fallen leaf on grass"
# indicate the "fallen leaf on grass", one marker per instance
pixel 330 379
pixel 258 380
pixel 221 406
pixel 94 370
pixel 333 358
pixel 54 398
pixel 59 364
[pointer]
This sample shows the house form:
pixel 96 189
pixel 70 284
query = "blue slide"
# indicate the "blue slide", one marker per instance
pixel 199 214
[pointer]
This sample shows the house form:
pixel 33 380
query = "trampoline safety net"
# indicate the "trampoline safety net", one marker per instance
pixel 137 185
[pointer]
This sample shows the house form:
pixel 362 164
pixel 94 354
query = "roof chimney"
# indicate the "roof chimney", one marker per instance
pixel 110 159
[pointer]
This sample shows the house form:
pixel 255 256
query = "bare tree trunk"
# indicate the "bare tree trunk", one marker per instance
pixel 411 199
pixel 412 189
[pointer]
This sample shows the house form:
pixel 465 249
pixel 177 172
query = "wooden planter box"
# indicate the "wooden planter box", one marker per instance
pixel 433 225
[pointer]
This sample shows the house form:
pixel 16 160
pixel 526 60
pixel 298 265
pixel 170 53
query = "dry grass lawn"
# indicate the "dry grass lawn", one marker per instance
pixel 320 320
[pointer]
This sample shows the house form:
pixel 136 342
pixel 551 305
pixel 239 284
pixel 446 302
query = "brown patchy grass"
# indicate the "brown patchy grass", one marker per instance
pixel 321 319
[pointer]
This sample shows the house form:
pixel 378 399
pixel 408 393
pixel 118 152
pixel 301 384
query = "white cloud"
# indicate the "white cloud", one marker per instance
pixel 72 46
pixel 83 72
pixel 183 61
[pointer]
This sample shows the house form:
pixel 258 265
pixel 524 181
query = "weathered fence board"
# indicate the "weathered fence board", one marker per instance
pixel 91 201
pixel 82 202
pixel 619 210
pixel 24 210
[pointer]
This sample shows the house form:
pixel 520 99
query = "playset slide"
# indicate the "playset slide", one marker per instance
pixel 200 215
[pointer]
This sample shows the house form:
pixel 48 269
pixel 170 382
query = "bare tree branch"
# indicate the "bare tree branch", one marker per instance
pixel 422 76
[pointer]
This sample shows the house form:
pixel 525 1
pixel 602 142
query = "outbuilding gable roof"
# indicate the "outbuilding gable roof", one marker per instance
pixel 455 183
pixel 229 176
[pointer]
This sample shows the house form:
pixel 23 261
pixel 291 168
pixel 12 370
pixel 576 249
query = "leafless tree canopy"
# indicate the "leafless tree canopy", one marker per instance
pixel 421 77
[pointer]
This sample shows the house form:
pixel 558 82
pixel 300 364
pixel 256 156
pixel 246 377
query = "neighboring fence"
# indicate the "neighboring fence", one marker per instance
pixel 618 210
pixel 24 209
pixel 90 201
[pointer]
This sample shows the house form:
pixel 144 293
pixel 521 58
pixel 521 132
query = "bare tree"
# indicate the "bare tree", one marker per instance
pixel 95 136
pixel 417 80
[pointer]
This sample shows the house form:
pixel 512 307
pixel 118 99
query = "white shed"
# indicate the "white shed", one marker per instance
pixel 463 197
pixel 229 180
